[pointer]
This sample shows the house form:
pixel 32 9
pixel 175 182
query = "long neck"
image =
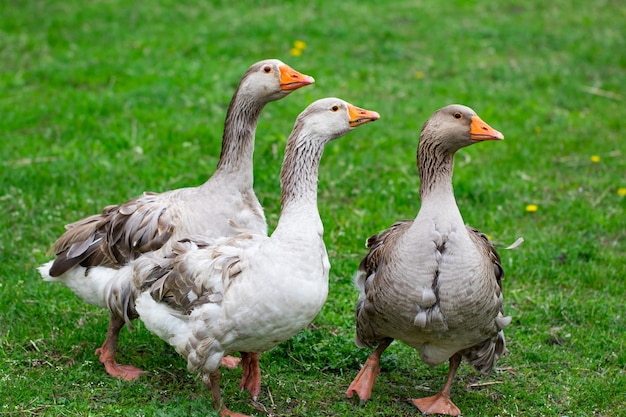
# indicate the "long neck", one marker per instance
pixel 435 164
pixel 299 179
pixel 238 140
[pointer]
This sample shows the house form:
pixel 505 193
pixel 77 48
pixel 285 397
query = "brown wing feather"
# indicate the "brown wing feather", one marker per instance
pixel 116 236
pixel 172 282
pixel 375 243
pixel 486 247
pixel 366 335
pixel 484 355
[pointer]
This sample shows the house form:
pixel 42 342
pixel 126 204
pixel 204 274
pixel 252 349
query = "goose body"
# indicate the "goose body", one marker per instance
pixel 94 254
pixel 433 282
pixel 249 292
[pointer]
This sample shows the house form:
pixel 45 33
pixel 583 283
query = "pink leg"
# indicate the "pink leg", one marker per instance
pixel 364 381
pixel 213 383
pixel 107 353
pixel 441 403
pixel 251 376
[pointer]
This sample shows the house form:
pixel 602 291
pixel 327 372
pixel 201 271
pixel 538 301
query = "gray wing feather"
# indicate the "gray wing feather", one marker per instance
pixel 116 236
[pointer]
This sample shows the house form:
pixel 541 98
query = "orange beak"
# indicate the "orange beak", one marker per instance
pixel 482 131
pixel 290 79
pixel 360 116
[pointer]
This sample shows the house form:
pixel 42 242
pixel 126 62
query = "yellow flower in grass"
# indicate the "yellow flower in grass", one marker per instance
pixel 531 208
pixel 419 75
pixel 621 191
pixel 595 159
pixel 298 47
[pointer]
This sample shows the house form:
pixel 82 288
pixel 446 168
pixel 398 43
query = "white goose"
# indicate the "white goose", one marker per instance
pixel 92 252
pixel 433 283
pixel 249 292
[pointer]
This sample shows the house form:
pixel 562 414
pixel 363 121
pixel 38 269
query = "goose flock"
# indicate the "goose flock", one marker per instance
pixel 197 266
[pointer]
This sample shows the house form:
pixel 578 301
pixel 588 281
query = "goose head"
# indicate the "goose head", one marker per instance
pixel 271 80
pixel 330 118
pixel 456 126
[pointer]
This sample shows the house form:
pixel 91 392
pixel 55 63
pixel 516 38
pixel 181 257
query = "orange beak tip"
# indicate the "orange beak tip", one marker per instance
pixel 360 116
pixel 301 81
pixel 482 131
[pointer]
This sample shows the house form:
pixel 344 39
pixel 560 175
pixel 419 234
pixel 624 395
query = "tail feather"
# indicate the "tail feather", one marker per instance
pixel 484 356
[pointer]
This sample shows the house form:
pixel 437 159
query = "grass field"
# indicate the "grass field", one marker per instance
pixel 102 100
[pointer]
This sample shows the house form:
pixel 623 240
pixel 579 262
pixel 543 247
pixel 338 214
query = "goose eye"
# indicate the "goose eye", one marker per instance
pixel 458 115
pixel 335 108
pixel 267 69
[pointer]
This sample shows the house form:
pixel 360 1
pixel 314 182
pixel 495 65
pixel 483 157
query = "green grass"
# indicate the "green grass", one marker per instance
pixel 102 100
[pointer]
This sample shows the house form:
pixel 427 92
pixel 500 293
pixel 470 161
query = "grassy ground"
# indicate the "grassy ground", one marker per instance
pixel 102 100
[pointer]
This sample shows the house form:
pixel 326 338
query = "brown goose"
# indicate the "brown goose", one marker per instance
pixel 249 292
pixel 432 282
pixel 92 252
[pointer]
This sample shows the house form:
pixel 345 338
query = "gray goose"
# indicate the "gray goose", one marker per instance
pixel 433 282
pixel 92 253
pixel 249 292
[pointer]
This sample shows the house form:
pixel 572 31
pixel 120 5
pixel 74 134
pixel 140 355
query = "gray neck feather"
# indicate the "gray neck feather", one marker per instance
pixel 435 164
pixel 242 118
pixel 299 173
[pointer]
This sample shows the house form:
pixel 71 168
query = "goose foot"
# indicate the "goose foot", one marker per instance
pixel 437 404
pixel 364 382
pixel 441 403
pixel 125 372
pixel 106 354
pixel 230 362
pixel 251 376
pixel 225 412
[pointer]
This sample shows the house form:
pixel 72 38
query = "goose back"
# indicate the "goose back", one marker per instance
pixel 122 233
